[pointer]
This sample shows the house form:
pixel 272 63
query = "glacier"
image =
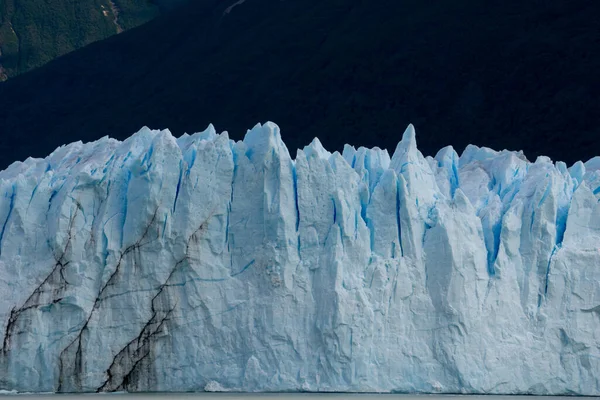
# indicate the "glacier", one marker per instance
pixel 201 263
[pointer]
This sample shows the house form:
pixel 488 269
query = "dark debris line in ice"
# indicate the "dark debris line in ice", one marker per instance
pixel 54 283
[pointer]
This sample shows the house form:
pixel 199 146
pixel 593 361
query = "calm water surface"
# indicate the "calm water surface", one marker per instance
pixel 292 396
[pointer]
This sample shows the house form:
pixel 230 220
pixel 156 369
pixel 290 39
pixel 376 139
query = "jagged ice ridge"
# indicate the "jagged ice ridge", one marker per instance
pixel 200 263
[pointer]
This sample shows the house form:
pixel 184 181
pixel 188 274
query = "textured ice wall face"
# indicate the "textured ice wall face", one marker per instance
pixel 199 263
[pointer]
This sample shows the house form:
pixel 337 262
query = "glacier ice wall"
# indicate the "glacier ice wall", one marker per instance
pixel 200 263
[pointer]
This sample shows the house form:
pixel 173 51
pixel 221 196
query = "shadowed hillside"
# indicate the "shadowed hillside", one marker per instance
pixel 33 32
pixel 504 74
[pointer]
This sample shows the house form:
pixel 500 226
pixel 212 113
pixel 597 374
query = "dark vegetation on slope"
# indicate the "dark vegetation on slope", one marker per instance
pixel 33 32
pixel 500 73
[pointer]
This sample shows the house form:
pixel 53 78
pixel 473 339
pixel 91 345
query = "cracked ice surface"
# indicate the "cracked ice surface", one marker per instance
pixel 197 263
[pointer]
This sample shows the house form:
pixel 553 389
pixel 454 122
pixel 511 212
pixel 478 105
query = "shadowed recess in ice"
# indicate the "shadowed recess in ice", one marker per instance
pixel 200 263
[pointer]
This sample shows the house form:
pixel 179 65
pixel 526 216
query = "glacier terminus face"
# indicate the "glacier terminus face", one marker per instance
pixel 200 263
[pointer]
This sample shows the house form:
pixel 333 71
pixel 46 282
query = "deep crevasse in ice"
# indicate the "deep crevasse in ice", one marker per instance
pixel 200 263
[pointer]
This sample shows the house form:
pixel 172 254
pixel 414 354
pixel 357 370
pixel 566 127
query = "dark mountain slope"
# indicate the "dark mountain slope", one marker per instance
pixel 504 74
pixel 33 32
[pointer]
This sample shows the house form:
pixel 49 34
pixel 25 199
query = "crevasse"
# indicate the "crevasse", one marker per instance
pixel 200 263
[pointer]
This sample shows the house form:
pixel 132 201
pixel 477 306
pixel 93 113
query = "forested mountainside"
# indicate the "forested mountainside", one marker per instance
pixel 33 32
pixel 521 75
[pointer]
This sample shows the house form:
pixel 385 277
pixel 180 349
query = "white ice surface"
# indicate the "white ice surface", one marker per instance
pixel 198 263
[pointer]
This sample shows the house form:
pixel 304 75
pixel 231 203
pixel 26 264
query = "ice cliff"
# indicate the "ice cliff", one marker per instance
pixel 200 263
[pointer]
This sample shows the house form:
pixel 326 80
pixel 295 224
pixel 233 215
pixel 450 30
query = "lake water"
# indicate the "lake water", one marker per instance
pixel 293 396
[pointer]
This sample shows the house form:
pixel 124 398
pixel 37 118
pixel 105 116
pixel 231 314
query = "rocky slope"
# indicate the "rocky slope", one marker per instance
pixel 504 74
